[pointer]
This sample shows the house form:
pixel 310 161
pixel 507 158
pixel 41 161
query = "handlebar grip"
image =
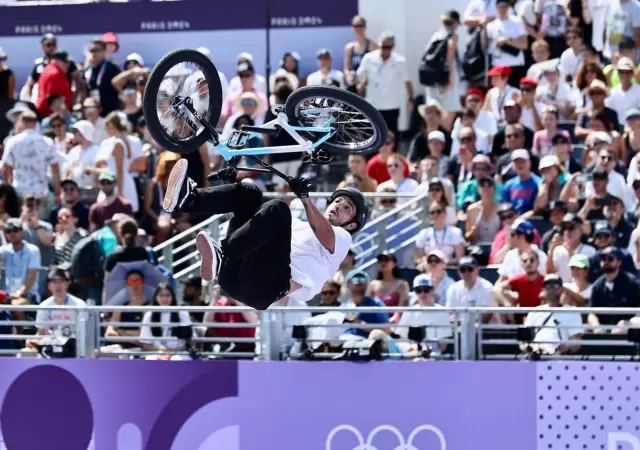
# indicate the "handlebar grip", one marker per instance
pixel 213 176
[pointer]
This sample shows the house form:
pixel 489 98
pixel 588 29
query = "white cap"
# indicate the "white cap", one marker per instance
pixel 136 57
pixel 205 51
pixel 19 107
pixel 548 161
pixel 85 128
pixel 439 135
pixel 520 154
pixel 601 136
pixel 245 55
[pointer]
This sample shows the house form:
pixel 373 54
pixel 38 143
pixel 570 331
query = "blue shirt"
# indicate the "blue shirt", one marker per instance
pixel 17 264
pixel 380 317
pixel 521 194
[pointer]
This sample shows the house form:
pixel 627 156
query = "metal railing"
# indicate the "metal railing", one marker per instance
pixel 475 333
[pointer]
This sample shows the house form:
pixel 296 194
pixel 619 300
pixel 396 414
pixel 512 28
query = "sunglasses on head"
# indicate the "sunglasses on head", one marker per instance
pixel 422 289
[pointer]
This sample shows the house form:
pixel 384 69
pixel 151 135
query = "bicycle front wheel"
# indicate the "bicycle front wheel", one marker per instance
pixel 359 127
pixel 180 75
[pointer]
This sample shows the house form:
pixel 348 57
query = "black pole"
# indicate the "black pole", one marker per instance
pixel 268 52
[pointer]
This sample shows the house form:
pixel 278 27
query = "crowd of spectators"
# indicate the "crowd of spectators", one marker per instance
pixel 528 170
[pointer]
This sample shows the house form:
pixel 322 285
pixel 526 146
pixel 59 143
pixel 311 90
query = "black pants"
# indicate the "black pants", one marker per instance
pixel 257 249
pixel 391 116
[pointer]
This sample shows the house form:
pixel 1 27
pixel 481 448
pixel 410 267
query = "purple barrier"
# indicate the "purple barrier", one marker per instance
pixel 136 405
pixel 185 15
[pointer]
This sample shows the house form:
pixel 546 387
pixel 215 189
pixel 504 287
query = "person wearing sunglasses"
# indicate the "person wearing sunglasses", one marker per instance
pixel 439 235
pixel 437 193
pixel 482 169
pixel 520 241
pixel 471 290
pixel 377 166
pixel 587 73
pixel 598 94
pixel 626 48
pixel 603 238
pixel 460 165
pixel 62 139
pixel 435 265
pixel 616 288
pixel 512 113
pixel 571 58
pixel 396 165
pixel 502 243
pixel 355 50
pixel 607 164
pixel 467 119
pixel 522 190
pixel 531 108
pixel 427 313
pixel 329 295
pixel 389 287
pixel 483 222
pixel 556 92
pixel 431 132
pixel 564 246
pixel 554 186
pixel 626 95
pixel 357 165
pixel 578 291
pixel 357 283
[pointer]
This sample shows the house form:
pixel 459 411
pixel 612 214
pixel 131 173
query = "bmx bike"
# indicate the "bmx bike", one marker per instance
pixel 183 103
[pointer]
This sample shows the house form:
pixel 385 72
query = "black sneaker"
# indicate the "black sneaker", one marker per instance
pixel 179 187
pixel 210 256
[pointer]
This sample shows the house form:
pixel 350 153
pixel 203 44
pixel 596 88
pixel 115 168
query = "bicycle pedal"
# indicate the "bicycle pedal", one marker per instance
pixel 238 140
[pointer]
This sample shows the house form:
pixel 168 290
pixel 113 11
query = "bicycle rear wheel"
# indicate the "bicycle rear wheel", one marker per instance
pixel 179 75
pixel 360 128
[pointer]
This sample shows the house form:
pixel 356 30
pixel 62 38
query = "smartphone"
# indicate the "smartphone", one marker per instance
pixel 31 204
pixel 600 202
pixel 584 178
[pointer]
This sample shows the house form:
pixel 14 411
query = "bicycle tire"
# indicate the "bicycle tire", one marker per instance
pixel 149 107
pixel 339 95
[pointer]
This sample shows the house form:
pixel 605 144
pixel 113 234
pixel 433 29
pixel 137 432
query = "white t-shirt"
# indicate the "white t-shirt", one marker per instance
pixel 586 294
pixel 30 155
pixel 554 19
pixel 633 247
pixel 622 101
pixel 621 20
pixel 512 265
pixel 527 119
pixel 459 296
pixel 554 333
pixel 77 160
pixel 524 9
pixel 485 122
pixel 562 97
pixel 481 8
pixel 598 10
pixel 166 326
pixel 259 84
pixel 43 316
pixel 561 259
pixel 315 79
pixel 570 63
pixel 105 153
pixel 511 28
pixel 311 263
pixel 445 240
pixel 406 185
pixel 432 317
pixel 385 80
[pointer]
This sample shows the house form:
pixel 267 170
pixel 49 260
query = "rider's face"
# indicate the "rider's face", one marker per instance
pixel 341 211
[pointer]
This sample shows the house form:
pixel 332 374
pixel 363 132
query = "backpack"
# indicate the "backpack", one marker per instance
pixel 434 68
pixel 87 261
pixel 163 270
pixel 474 65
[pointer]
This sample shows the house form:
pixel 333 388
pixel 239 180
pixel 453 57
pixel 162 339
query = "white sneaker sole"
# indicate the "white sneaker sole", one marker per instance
pixel 208 256
pixel 174 185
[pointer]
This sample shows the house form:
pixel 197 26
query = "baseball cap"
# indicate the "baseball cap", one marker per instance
pixel 511 105
pixel 47 38
pixel 601 137
pixel 560 138
pixel 468 261
pixel 520 154
pixel 633 113
pixel 558 204
pixel 580 261
pixel 625 63
pixel 135 57
pixel 422 280
pixel 552 279
pixel 597 85
pixel 526 81
pixel 323 52
pixel 602 227
pixel 438 135
pixel 68 181
pixel 481 159
pixel 57 273
pixel 612 251
pixel 85 128
pixel 502 71
pixel 194 282
pixel 357 276
pixel 572 218
pixel 12 224
pixel 438 254
pixel 522 226
pixel 549 161
pixel 107 176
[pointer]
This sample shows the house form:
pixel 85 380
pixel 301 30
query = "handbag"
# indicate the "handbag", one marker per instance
pixel 510 50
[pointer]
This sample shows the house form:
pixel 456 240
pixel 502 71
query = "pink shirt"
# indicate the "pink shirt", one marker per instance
pixel 542 145
pixel 231 106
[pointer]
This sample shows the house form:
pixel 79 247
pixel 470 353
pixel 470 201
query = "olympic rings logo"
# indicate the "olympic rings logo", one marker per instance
pixel 402 443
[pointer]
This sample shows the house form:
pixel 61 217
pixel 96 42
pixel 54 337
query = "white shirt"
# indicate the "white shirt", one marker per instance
pixel 166 325
pixel 259 84
pixel 481 8
pixel 527 119
pixel 586 294
pixel 617 187
pixel 482 141
pixel 406 185
pixel 511 28
pixel 562 96
pixel 43 316
pixel 30 155
pixel 536 70
pixel 432 317
pixel 77 160
pixel 446 240
pixel 633 246
pixel 100 132
pixel 524 9
pixel 570 63
pixel 385 80
pixel 622 101
pixel 621 20
pixel 311 263
pixel 561 259
pixel 512 265
pixel 105 151
pixel 459 296
pixel 554 333
pixel 598 10
pixel 316 78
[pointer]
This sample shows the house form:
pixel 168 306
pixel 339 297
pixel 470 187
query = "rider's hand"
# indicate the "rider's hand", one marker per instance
pixel 300 186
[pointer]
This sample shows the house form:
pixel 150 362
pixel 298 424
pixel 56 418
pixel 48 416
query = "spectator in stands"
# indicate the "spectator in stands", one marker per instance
pixel 578 291
pixel 25 161
pixel 429 169
pixel 616 184
pixel 561 147
pixel 7 78
pixel 62 139
pixel 552 328
pixel 507 40
pixel 435 265
pixel 515 140
pixel 99 76
pixel 593 208
pixel 622 20
pixel 329 295
pixel 160 324
pixel 133 69
pixel 554 185
pixel 481 169
pixel 436 142
pixel 512 114
pixel 522 290
pixel 460 165
pixel 157 220
pixel 67 236
pixel 571 58
pixel 543 139
pixel 377 166
pixel 478 13
pixel 259 82
pixel 9 202
pixel 520 241
pixel 614 212
pixel 58 283
pixel 82 155
pixel 358 167
pixel 557 211
pixel 467 119
pixel 587 74
pixel 432 114
pixel 626 95
pixel 389 287
pixel 437 194
pixel 597 94
pixel 626 49
pixel 357 281
pixel 502 243
pixel 238 332
pixel 603 238
pixel 471 290
pixel 20 261
pixel 482 222
pixel 193 295
pixel 522 190
pixel 383 73
pixel 70 199
pixel 112 204
pixel 130 104
pixel 541 55
pixel 232 105
pixel 54 81
pixel 562 248
pixel 631 140
pixel 326 75
pixel 531 116
pixel 130 251
pixel 339 277
pixel 614 289
pixel 355 50
pixel 397 167
pixel 484 120
pixel 91 110
pixel 439 235
pixel 39 233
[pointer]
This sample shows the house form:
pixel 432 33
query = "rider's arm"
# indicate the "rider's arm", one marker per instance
pixel 320 225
